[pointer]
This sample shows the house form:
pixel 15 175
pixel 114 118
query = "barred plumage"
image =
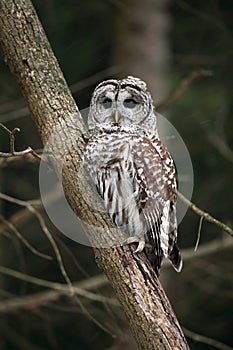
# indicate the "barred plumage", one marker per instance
pixel 132 169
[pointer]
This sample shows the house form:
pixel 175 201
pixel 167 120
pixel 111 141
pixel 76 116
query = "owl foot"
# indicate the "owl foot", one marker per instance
pixel 135 239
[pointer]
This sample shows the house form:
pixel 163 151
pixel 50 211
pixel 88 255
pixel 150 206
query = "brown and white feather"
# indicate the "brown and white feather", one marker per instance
pixel 131 168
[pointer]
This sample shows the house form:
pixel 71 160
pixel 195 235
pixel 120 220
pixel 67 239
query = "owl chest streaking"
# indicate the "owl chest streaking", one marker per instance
pixel 132 169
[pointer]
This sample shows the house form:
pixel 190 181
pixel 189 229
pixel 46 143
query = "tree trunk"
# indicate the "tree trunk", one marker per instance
pixel 31 60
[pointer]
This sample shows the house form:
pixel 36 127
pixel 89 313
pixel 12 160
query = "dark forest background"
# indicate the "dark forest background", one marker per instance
pixel 167 44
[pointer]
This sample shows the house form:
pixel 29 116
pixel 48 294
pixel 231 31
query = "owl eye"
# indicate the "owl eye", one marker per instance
pixel 130 103
pixel 107 103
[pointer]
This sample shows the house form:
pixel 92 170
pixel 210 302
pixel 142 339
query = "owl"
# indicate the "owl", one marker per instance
pixel 132 170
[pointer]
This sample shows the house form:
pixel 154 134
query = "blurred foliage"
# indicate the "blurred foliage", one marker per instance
pixel 83 36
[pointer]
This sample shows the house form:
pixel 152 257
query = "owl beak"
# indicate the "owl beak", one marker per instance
pixel 116 117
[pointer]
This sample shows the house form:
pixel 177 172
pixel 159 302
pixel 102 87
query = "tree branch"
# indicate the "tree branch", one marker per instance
pixel 32 62
pixel 46 231
pixel 205 215
pixel 39 299
pixel 206 340
pixel 12 151
pixel 79 289
pixel 12 228
pixel 183 87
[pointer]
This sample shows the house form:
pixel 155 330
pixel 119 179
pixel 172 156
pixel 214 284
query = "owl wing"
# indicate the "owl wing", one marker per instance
pixel 156 177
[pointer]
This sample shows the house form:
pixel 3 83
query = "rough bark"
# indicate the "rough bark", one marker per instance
pixel 31 60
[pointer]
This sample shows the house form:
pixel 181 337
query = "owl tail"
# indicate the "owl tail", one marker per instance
pixel 175 258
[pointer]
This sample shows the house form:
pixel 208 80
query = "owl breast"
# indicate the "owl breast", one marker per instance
pixel 109 160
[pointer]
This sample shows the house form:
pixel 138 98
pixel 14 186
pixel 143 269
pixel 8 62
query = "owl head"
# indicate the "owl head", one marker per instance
pixel 125 102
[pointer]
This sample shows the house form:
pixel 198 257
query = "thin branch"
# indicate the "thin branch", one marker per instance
pixel 24 240
pixel 207 248
pixel 93 79
pixel 220 144
pixel 206 340
pixel 216 270
pixel 12 151
pixel 7 113
pixel 203 251
pixel 183 87
pixel 37 300
pixel 19 218
pixel 205 215
pixel 62 288
pixel 42 298
pixel 22 215
pixel 204 15
pixel 26 151
pixel 199 233
pixel 57 253
pixel 46 232
pixel 28 157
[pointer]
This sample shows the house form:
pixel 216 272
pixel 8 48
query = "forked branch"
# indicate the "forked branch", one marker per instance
pixel 12 152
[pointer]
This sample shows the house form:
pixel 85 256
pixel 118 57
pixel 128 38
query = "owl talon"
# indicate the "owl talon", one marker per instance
pixel 139 240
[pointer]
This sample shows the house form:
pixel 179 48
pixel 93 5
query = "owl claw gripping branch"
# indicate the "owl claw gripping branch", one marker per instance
pixel 131 168
pixel 140 240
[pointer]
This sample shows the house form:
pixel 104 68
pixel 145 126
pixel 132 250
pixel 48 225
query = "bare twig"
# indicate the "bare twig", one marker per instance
pixel 37 300
pixel 26 151
pixel 182 87
pixel 93 79
pixel 69 286
pixel 12 151
pixel 45 230
pixel 28 157
pixel 204 15
pixel 205 215
pixel 13 110
pixel 43 298
pixel 62 288
pixel 216 270
pixel 207 248
pixel 57 253
pixel 24 240
pixel 220 144
pixel 206 340
pixel 19 218
pixel 199 233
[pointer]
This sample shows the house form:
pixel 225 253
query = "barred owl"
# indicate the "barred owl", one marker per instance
pixel 131 168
